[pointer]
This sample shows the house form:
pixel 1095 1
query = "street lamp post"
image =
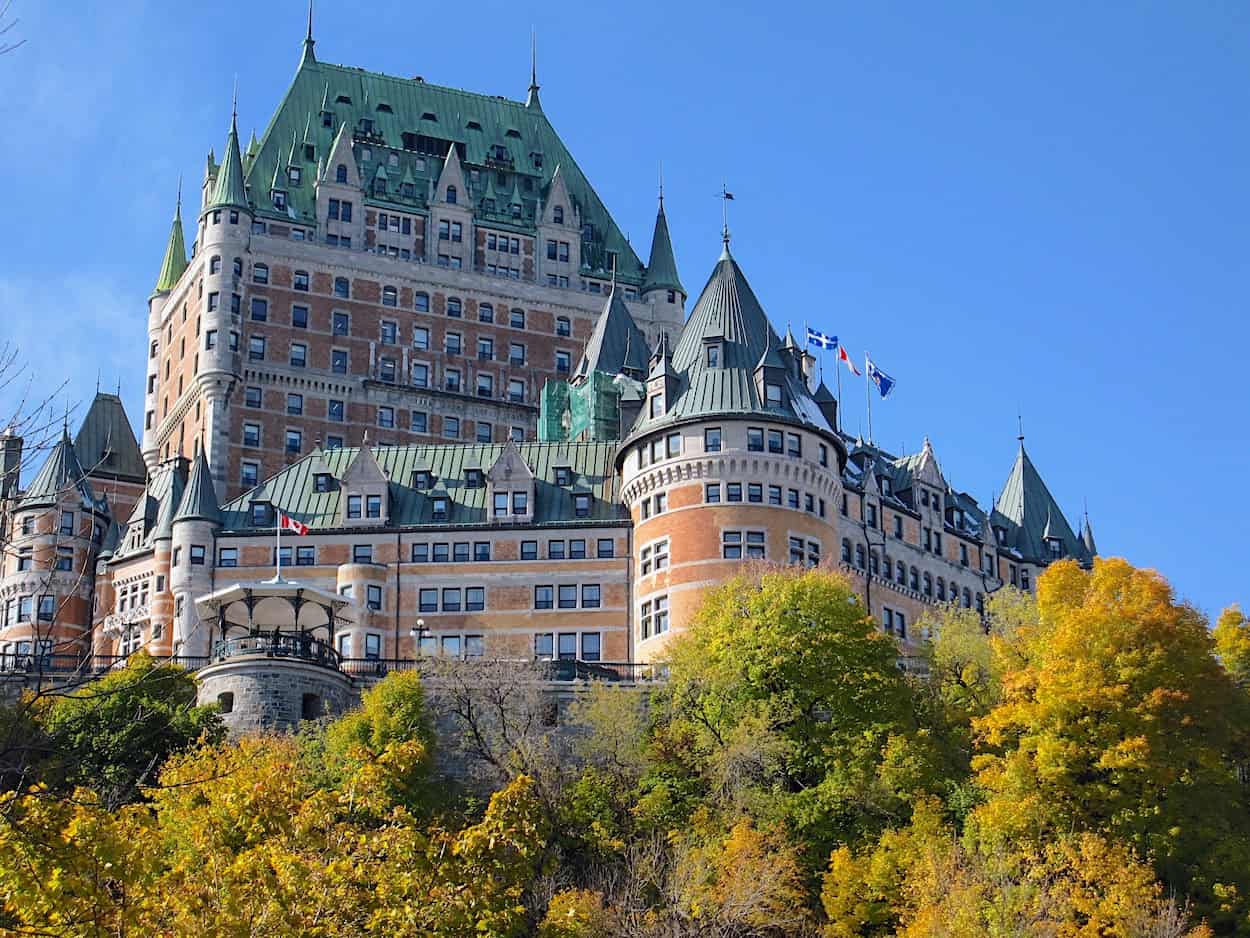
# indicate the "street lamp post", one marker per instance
pixel 417 632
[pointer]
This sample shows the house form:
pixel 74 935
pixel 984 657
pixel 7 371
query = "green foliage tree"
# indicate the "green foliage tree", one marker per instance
pixel 113 735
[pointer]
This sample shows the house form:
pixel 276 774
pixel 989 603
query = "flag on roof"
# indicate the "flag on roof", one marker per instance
pixel 820 340
pixel 843 357
pixel 287 523
pixel 884 383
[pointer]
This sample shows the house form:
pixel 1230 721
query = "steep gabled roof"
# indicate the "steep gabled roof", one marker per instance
pixel 728 314
pixel 616 345
pixel 295 492
pixel 107 444
pixel 662 266
pixel 1034 515
pixel 416 122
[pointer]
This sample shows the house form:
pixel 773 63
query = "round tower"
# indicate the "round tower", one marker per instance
pixel 193 552
pixel 731 462
pixel 662 291
pixel 173 266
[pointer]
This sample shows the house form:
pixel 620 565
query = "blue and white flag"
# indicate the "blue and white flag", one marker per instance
pixel 885 384
pixel 820 340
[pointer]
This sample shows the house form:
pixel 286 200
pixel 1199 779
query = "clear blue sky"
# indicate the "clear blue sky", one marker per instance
pixel 1043 210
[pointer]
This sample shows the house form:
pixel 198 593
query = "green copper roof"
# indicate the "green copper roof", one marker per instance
pixel 1034 515
pixel 175 260
pixel 662 265
pixel 60 472
pixel 1087 538
pixel 617 345
pixel 294 488
pixel 416 122
pixel 199 500
pixel 170 501
pixel 728 315
pixel 229 189
pixel 107 442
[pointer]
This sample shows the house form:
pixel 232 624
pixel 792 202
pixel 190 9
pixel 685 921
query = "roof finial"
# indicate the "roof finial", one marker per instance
pixel 726 197
pixel 97 382
pixel 1020 427
pixel 661 185
pixel 178 203
pixel 532 99
pixel 309 54
pixel 234 103
pixel 309 37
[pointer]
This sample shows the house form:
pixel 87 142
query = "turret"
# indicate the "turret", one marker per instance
pixel 194 527
pixel 731 436
pixel 173 266
pixel 661 287
pixel 10 464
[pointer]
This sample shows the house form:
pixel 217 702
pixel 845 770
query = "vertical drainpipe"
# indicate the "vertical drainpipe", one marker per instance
pixel 629 591
pixel 398 590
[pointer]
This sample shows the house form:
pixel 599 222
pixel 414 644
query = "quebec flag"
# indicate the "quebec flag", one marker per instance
pixel 885 384
pixel 820 340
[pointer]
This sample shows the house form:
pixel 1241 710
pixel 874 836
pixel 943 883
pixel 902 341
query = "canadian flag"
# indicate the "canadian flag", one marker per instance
pixel 287 523
pixel 843 357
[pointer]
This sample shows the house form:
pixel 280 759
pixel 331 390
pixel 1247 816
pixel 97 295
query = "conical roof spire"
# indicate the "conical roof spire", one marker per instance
pixel 616 346
pixel 60 471
pixel 531 100
pixel 175 260
pixel 230 190
pixel 309 57
pixel 1087 537
pixel 662 266
pixel 199 500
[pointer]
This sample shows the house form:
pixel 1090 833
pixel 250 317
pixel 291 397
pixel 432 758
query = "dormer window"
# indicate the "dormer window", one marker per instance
pixel 294 174
pixel 564 475
pixel 366 125
pixel 886 488
pixel 474 479
pixel 772 394
pixel 279 198
pixel 423 479
pixel 384 108
pixel 327 119
pixel 451 195
pixel 430 116
pixel 1000 535
pixel 557 214
pixel 340 173
pixel 323 482
pixel 440 508
pixel 655 406
pixel 513 132
pixel 260 515
pixel 343 99
pixel 713 354
pixel 473 125
pixel 1055 547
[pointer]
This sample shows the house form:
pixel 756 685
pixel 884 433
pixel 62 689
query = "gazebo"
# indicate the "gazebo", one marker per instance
pixel 277 618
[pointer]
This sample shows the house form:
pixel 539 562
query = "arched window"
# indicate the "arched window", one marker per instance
pixel 967 598
pixel 557 214
pixel 485 312
pixel 915 579
pixel 214 264
pixel 928 585
pixel 451 195
pixel 340 173
pixel 874 563
pixel 422 302
pixel 941 589
pixel 453 307
pixel 902 573
pixel 341 287
pixel 563 326
pixel 859 556
pixel 846 551
pixel 225 702
pixel 390 296
pixel 980 603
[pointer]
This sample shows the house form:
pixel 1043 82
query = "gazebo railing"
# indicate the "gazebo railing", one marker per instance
pixel 299 646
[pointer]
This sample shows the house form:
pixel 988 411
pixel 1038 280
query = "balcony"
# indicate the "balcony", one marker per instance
pixel 293 645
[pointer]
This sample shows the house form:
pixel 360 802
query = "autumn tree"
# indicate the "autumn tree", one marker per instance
pixel 1118 720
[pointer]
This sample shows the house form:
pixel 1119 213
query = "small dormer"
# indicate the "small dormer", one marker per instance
pixel 510 488
pixel 662 382
pixel 770 377
pixel 365 499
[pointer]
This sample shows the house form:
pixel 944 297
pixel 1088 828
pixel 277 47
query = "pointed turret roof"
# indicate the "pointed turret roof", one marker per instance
pixel 60 472
pixel 170 501
pixel 662 266
pixel 662 360
pixel 106 441
pixel 229 190
pixel 728 314
pixel 175 260
pixel 199 500
pixel 1033 514
pixel 617 345
pixel 309 57
pixel 1087 538
pixel 531 100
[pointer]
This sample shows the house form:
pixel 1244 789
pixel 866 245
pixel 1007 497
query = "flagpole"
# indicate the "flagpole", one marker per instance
pixel 277 550
pixel 837 366
pixel 868 397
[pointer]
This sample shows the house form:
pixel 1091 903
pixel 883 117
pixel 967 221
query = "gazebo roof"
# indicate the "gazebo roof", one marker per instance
pixel 272 604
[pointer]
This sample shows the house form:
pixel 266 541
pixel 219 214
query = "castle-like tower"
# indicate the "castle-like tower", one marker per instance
pixel 409 325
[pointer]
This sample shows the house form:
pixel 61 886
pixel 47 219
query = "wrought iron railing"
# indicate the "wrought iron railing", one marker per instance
pixel 57 665
pixel 295 645
pixel 627 672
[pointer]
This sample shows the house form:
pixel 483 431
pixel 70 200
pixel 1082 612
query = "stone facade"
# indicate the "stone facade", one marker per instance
pixel 258 693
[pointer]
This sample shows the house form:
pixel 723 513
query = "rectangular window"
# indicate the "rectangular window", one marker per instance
pixel 577 549
pixel 543 597
pixel 362 553
pixel 775 441
pixel 338 361
pixel 712 440
pixel 794 445
pixel 567 597
pixel 755 439
pixel 373 598
pixel 427 600
pixel 197 555
pixel 555 550
pixel 299 355
pixel 305 556
pixel 228 557
pixel 711 493
pixel 481 550
pixel 733 491
pixel 442 552
pixel 299 317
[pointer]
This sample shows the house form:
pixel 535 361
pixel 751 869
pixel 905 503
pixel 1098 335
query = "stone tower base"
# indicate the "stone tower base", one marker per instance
pixel 263 694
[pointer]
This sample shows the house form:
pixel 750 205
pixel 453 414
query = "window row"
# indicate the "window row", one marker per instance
pixel 23 609
pixel 563 646
pixel 759 494
pixel 566 596
pixel 452 599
